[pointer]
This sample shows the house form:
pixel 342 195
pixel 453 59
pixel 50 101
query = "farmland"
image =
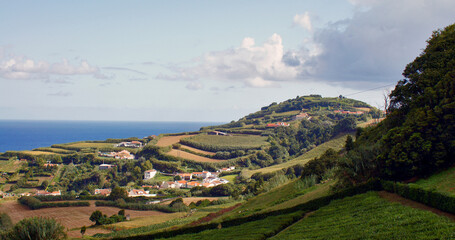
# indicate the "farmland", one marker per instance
pixel 190 156
pixel 169 140
pixel 82 145
pixel 336 144
pixel 367 216
pixel 441 182
pixel 70 217
pixel 216 143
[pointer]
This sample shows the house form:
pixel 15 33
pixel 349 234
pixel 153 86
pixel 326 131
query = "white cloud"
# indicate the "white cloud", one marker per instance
pixel 254 66
pixel 304 21
pixel 194 86
pixel 18 67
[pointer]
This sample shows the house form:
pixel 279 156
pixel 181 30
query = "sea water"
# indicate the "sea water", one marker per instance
pixel 27 135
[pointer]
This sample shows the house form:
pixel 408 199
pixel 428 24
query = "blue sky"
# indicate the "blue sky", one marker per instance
pixel 202 60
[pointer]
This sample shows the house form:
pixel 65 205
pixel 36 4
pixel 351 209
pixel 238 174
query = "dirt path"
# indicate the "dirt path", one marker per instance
pixel 410 203
pixel 169 140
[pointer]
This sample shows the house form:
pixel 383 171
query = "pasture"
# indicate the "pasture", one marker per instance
pixel 336 144
pixel 443 182
pixel 69 217
pixel 190 156
pixel 198 150
pixel 367 216
pixel 169 140
pixel 83 145
pixel 214 143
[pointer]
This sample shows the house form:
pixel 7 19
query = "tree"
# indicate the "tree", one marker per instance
pixel 83 229
pixel 121 212
pixel 118 193
pixel 38 228
pixel 349 143
pixel 96 217
pixel 44 184
pixel 5 222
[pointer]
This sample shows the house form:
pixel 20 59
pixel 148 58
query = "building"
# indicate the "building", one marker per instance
pixel 140 193
pixel 185 176
pixel 204 174
pixel 302 116
pixel 278 124
pixel 49 164
pixel 106 166
pixel 149 174
pixel 218 133
pixel 104 191
pixel 46 193
pixel 132 144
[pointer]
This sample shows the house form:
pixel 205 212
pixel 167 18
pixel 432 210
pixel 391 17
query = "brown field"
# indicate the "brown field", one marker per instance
pixel 198 150
pixel 189 200
pixel 370 122
pixel 34 153
pixel 189 156
pixel 70 217
pixel 363 109
pixel 169 140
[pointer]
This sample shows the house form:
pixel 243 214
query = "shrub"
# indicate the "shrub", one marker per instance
pixel 37 228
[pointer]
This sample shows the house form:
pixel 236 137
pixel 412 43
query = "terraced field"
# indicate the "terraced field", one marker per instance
pixel 169 140
pixel 336 144
pixel 82 145
pixel 214 143
pixel 367 216
pixel 190 156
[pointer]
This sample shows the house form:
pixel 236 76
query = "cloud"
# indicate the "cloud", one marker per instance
pixel 19 67
pixel 304 21
pixel 60 94
pixel 124 69
pixel 376 44
pixel 254 66
pixel 194 86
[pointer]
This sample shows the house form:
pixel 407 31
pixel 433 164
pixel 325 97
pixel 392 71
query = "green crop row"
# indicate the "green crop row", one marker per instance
pixel 35 203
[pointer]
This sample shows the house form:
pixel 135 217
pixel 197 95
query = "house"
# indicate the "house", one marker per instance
pixel 193 184
pixel 278 124
pixel 132 144
pixel 170 184
pixel 106 166
pixel 124 155
pixel 149 174
pixel 302 116
pixel 218 133
pixel 140 193
pixel 185 176
pixel 104 191
pixel 49 164
pixel 46 193
pixel 204 174
pixel 227 169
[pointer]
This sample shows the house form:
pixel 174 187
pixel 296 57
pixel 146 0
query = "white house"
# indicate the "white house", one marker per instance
pixel 106 166
pixel 149 174
pixel 140 193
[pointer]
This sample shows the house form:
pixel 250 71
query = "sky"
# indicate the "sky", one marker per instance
pixel 202 60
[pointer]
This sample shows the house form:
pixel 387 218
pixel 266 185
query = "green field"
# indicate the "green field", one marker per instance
pixel 230 178
pixel 215 143
pixel 82 145
pixel 54 150
pixel 367 216
pixel 442 182
pixel 336 144
pixel 10 166
pixel 260 229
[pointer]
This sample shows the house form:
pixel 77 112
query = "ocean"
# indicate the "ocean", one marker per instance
pixel 27 135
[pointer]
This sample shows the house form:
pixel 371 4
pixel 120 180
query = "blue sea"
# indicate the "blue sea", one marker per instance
pixel 27 135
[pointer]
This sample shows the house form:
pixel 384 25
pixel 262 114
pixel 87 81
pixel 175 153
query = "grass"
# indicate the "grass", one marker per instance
pixel 152 225
pixel 10 166
pixel 54 150
pixel 190 156
pixel 260 229
pixel 82 145
pixel 443 182
pixel 165 141
pixel 35 153
pixel 280 196
pixel 336 144
pixel 367 216
pixel 220 142
pixel 230 178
